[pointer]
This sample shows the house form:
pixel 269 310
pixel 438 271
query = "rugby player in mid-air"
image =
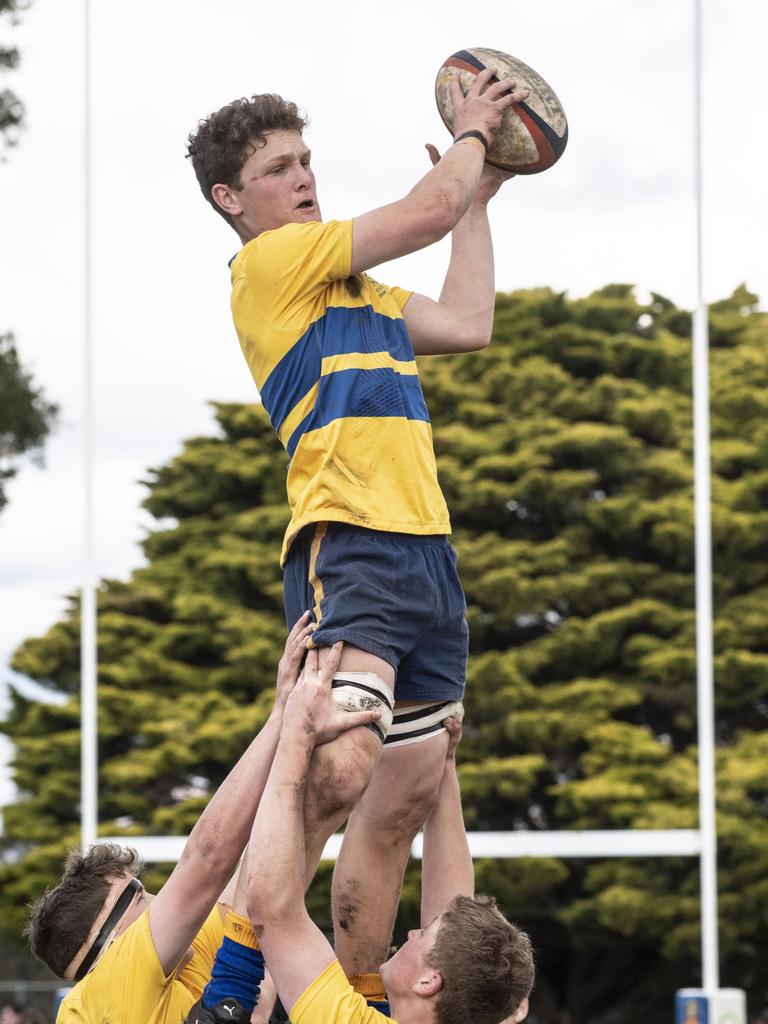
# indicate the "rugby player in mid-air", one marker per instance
pixel 332 353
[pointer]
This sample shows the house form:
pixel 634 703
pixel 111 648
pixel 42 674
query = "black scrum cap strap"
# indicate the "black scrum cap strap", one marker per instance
pixel 123 902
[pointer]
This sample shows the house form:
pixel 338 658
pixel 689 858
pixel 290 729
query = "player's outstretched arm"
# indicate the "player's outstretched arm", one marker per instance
pixel 217 840
pixel 462 319
pixel 447 869
pixel 294 948
pixel 437 203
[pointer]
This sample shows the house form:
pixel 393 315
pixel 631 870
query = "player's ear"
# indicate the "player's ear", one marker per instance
pixel 429 983
pixel 521 1012
pixel 224 197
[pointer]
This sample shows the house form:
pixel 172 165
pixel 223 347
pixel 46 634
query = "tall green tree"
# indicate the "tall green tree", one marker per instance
pixel 26 415
pixel 11 107
pixel 565 454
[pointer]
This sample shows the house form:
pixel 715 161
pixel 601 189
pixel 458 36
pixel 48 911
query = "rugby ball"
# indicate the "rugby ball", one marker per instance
pixel 533 133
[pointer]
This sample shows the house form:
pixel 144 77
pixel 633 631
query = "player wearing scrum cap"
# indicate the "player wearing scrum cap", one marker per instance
pixel 143 959
pixel 333 355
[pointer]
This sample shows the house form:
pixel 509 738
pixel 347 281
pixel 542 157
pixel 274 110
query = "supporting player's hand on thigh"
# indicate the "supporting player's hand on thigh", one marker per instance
pixel 453 728
pixel 310 710
pixel 289 666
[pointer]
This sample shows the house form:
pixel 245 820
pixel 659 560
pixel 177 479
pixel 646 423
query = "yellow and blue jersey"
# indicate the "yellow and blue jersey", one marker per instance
pixel 330 999
pixel 336 372
pixel 128 985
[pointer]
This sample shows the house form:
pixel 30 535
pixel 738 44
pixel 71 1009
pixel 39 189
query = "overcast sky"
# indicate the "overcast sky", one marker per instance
pixel 618 207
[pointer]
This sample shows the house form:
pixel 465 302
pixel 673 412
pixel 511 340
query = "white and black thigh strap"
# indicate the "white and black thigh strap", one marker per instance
pixel 422 722
pixel 363 691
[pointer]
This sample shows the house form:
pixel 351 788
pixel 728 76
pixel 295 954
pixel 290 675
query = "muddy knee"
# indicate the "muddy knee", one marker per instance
pixel 339 774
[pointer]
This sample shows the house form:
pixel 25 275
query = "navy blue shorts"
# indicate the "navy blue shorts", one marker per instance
pixel 395 595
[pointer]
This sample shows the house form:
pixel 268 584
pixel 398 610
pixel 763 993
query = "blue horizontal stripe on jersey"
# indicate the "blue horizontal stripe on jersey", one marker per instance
pixel 341 331
pixel 377 394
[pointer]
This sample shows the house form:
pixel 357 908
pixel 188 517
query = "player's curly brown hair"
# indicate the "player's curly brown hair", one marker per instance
pixel 222 142
pixel 60 920
pixel 486 963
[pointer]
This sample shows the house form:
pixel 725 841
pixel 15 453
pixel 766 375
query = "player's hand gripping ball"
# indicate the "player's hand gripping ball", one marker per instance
pixel 533 132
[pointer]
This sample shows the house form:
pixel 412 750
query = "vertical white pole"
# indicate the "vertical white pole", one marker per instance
pixel 703 533
pixel 88 672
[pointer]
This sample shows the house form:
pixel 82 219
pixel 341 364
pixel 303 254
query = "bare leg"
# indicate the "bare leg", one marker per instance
pixel 340 771
pixel 377 842
pixel 338 776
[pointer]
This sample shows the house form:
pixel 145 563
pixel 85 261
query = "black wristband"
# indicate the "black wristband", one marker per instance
pixel 473 134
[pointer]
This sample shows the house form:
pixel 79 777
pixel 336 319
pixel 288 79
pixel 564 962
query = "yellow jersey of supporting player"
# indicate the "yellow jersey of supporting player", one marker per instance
pixel 127 985
pixel 336 372
pixel 330 999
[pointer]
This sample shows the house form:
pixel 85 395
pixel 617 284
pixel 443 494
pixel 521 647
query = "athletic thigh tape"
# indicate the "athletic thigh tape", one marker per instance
pixel 363 691
pixel 414 724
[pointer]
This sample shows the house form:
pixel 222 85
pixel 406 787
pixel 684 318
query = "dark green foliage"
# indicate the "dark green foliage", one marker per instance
pixel 565 454
pixel 26 416
pixel 11 107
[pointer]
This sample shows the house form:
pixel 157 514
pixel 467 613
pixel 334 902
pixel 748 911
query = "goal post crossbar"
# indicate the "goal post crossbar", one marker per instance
pixel 499 845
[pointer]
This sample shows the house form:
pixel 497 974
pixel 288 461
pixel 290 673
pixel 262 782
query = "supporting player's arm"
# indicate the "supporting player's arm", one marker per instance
pixel 447 868
pixel 217 840
pixel 294 947
pixel 439 201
